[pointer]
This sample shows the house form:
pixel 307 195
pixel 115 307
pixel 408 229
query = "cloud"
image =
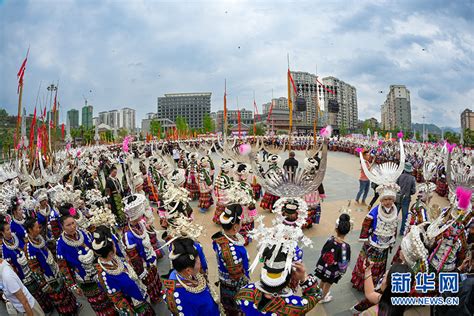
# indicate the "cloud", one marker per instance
pixel 129 53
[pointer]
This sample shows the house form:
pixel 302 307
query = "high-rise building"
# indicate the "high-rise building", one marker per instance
pixel 246 117
pixel 396 110
pixel 307 86
pixel 467 120
pixel 191 106
pixel 87 114
pixel 73 118
pixel 344 96
pixel 104 117
pixel 113 117
pixel 127 119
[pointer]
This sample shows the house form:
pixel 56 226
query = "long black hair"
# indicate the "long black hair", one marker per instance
pixel 344 225
pixel 186 253
pixel 385 304
pixel 103 237
pixel 235 212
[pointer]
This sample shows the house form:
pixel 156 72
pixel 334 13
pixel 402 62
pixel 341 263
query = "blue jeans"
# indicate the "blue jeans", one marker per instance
pixel 364 186
pixel 404 205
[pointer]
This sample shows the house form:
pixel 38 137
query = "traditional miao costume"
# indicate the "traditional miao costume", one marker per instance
pixel 257 189
pixel 159 182
pixel 13 252
pixel 45 269
pixel 233 264
pixel 17 228
pixel 179 226
pixel 148 218
pixel 334 260
pixel 273 169
pixel 379 228
pixel 379 233
pixel 189 296
pixel 417 214
pixel 138 247
pixel 76 262
pixel 441 183
pixel 447 234
pixel 192 177
pixel 249 210
pixel 272 295
pixel 313 199
pixel 182 162
pixel 205 185
pixel 48 218
pixel 115 200
pixel 223 183
pixel 123 287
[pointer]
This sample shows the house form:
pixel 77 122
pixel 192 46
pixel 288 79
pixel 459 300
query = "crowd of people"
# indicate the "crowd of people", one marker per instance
pixel 95 222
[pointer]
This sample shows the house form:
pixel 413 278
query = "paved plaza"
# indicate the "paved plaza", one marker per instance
pixel 341 185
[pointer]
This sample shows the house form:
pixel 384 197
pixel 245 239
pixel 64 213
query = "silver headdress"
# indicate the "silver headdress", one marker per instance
pixel 291 184
pixel 297 205
pixel 280 237
pixel 413 248
pixel 386 174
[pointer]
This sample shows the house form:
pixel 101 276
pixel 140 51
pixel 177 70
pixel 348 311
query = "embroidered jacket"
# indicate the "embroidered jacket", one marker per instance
pixel 378 229
pixel 232 259
pixel 122 290
pixel 49 220
pixel 18 229
pixel 182 302
pixel 140 254
pixel 14 254
pixel 254 303
pixel 76 262
pixel 223 183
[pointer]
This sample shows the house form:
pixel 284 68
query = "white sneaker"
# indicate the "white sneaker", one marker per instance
pixel 354 311
pixel 326 299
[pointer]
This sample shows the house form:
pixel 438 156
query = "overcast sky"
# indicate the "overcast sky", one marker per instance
pixel 127 53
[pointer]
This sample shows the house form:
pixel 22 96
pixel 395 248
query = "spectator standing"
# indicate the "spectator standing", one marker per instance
pixel 15 292
pixel 364 182
pixel 291 164
pixel 407 183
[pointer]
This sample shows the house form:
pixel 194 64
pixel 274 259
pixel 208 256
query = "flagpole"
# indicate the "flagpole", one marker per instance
pixel 317 110
pixel 18 117
pixel 225 111
pixel 290 104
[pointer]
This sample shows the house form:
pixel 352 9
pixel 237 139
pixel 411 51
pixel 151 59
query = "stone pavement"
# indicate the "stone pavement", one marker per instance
pixel 341 185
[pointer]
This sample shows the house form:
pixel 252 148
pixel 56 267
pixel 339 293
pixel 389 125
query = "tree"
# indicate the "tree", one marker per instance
pixel 468 137
pixel 181 125
pixel 208 124
pixel 155 128
pixel 122 133
pixel 343 130
pixel 260 129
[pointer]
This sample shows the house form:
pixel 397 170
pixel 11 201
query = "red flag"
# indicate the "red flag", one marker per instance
pixel 324 87
pixel 44 114
pixel 270 111
pixel 62 130
pixel 32 129
pixel 291 80
pixel 256 110
pixel 21 72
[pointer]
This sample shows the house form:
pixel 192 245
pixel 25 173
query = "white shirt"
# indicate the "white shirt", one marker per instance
pixel 11 284
pixel 175 153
